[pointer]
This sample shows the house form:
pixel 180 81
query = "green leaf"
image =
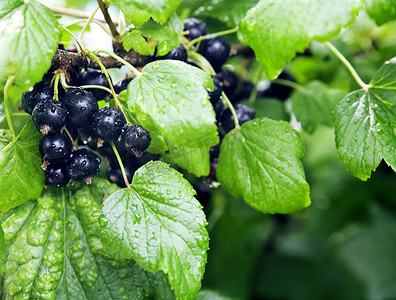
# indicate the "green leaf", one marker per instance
pixel 134 40
pixel 132 14
pixel 2 250
pixel 210 295
pixel 21 176
pixel 271 108
pixel 277 30
pixel 159 224
pixel 50 251
pixel 365 122
pixel 370 255
pixel 160 10
pixel 29 32
pixel 163 37
pixel 169 99
pixel 230 12
pixel 381 11
pixel 314 105
pixel 260 162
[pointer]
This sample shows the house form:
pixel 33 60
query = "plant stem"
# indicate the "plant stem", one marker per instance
pixel 108 19
pixel 80 44
pixel 121 164
pixel 232 109
pixel 121 60
pixel 95 58
pixel 289 83
pixel 87 24
pixel 7 87
pixel 208 36
pixel 70 137
pixel 75 13
pixel 96 87
pixel 201 62
pixel 14 140
pixel 56 83
pixel 92 21
pixel 348 65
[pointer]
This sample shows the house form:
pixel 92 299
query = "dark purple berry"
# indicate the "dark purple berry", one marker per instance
pixel 179 53
pixel 83 165
pixel 114 174
pixel 95 77
pixel 56 175
pixel 230 82
pixel 108 123
pixel 214 96
pixel 86 137
pixel 122 85
pixel 244 113
pixel 279 91
pixel 135 139
pixel 55 148
pixel 41 91
pixel 244 93
pixel 195 27
pixel 218 108
pixel 49 116
pixel 216 50
pixel 81 105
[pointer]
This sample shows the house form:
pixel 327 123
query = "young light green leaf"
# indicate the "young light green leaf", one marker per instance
pixel 314 104
pixel 29 32
pixel 21 176
pixel 160 10
pixel 277 30
pixel 132 14
pixel 50 251
pixel 134 40
pixel 365 122
pixel 381 11
pixel 260 162
pixel 170 98
pixel 159 224
pixel 230 12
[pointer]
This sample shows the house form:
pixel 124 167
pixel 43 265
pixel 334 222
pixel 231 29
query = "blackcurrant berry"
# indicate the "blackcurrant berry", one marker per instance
pixel 216 50
pixel 81 105
pixel 279 91
pixel 195 27
pixel 214 96
pixel 95 77
pixel 179 53
pixel 230 82
pixel 135 139
pixel 244 113
pixel 122 85
pixel 56 175
pixel 86 137
pixel 49 116
pixel 244 93
pixel 114 174
pixel 83 165
pixel 108 123
pixel 55 148
pixel 41 91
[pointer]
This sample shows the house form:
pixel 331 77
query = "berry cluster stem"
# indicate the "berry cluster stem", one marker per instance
pixel 7 87
pixel 208 36
pixel 96 87
pixel 56 83
pixel 121 60
pixel 121 164
pixel 95 58
pixel 232 109
pixel 80 45
pixel 350 68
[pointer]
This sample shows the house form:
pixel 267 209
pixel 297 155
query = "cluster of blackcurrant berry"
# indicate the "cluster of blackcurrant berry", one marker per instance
pixel 75 119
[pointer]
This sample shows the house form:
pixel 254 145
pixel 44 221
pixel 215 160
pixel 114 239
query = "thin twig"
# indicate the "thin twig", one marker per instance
pixel 108 19
pixel 76 13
